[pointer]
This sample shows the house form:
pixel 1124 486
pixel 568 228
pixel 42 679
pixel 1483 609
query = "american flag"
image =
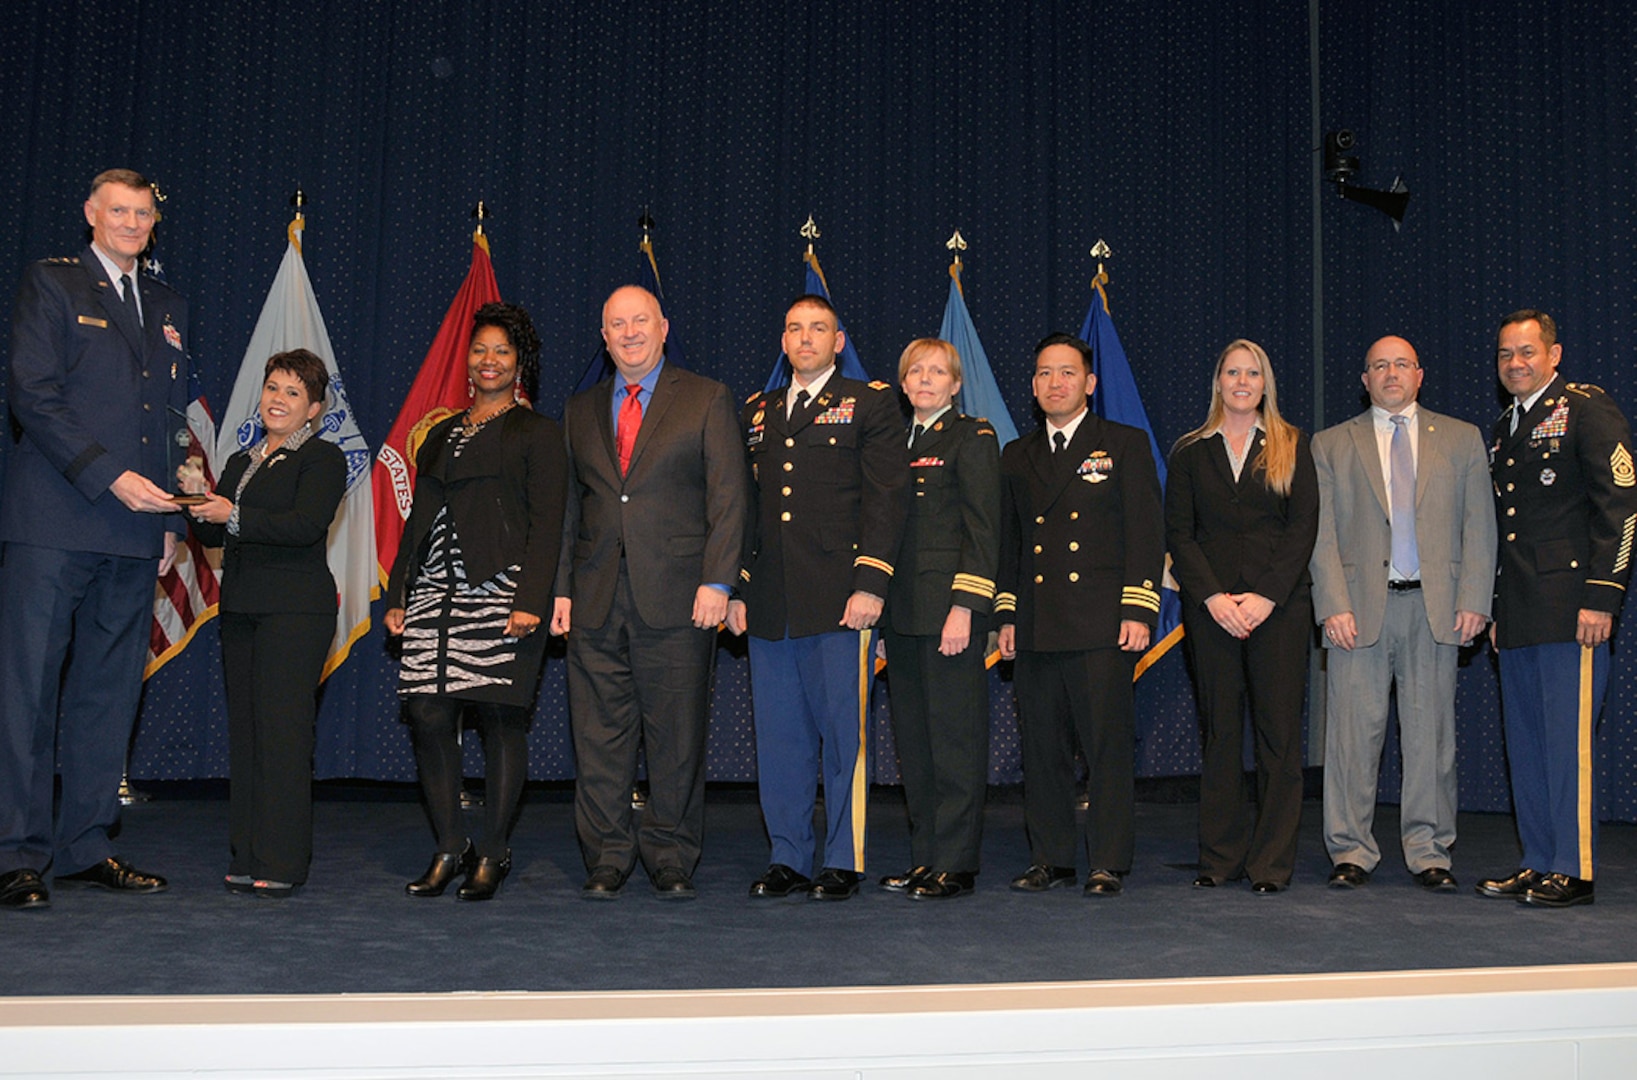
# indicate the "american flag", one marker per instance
pixel 185 597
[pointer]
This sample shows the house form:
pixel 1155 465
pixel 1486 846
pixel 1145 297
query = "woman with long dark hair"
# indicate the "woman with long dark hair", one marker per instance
pixel 469 588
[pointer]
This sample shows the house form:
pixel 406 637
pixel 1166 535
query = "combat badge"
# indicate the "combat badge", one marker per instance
pixel 1548 477
pixel 1620 462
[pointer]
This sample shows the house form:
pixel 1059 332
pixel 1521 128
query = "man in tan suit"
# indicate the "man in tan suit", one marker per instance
pixel 1403 573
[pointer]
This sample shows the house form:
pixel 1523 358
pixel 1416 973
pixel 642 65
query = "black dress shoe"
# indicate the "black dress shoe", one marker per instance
pixel 117 874
pixel 1267 888
pixel 1040 877
pixel 905 881
pixel 604 883
pixel 1103 883
pixel 833 884
pixel 484 880
pixel 1509 888
pixel 1346 875
pixel 945 885
pixel 1436 879
pixel 23 889
pixel 1558 890
pixel 1206 881
pixel 779 881
pixel 444 869
pixel 273 890
pixel 671 883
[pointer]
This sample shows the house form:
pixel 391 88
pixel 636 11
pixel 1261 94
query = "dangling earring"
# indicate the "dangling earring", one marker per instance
pixel 517 393
pixel 471 388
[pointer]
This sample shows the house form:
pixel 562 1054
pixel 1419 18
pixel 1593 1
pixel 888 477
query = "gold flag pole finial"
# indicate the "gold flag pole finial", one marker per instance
pixel 298 223
pixel 1100 251
pixel 956 244
pixel 481 212
pixel 811 232
pixel 647 224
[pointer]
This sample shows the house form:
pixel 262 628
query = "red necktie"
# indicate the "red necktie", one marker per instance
pixel 625 437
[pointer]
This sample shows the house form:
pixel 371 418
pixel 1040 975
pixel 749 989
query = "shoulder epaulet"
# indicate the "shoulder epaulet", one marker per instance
pixel 754 396
pixel 877 384
pixel 63 260
pixel 984 429
pixel 1584 389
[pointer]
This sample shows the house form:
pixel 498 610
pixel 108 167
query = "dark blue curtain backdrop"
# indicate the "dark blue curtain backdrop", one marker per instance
pixel 1180 132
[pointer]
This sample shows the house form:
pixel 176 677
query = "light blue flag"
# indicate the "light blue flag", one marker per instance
pixel 1116 398
pixel 850 365
pixel 980 394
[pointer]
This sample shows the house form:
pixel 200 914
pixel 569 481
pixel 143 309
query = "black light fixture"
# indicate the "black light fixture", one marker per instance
pixel 1340 167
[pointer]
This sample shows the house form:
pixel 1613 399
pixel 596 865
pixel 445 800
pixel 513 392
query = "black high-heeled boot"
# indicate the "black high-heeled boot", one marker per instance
pixel 444 869
pixel 484 880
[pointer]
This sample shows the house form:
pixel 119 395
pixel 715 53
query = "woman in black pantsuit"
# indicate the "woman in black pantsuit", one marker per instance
pixel 277 615
pixel 936 626
pixel 1241 515
pixel 471 582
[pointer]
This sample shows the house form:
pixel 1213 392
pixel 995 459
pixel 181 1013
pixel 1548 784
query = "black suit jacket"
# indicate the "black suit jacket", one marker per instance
pixel 1566 493
pixel 94 394
pixel 677 516
pixel 828 505
pixel 1081 548
pixel 505 493
pixel 276 563
pixel 951 548
pixel 1228 536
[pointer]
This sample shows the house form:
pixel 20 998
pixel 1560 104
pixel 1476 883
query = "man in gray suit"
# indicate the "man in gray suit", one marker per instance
pixel 652 536
pixel 1403 573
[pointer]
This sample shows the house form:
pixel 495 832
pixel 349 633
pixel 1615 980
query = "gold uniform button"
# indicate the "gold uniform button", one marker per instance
pixel 1511 536
pixel 788 466
pixel 1038 579
pixel 1508 461
pixel 785 516
pixel 1040 521
pixel 790 442
pixel 1574 564
pixel 1509 487
pixel 1074 515
pixel 1510 510
pixel 144 440
pixel 1073 576
pixel 920 479
pixel 832 440
pixel 1037 549
pixel 784 490
pixel 1074 545
pixel 146 407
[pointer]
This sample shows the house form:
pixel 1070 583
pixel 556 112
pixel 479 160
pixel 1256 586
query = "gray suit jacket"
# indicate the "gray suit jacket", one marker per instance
pixel 1454 524
pixel 677 517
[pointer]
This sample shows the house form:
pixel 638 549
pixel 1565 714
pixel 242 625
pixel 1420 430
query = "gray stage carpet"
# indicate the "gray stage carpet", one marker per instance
pixel 353 930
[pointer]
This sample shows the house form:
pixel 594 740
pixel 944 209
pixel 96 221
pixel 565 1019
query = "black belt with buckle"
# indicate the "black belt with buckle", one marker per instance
pixel 1403 586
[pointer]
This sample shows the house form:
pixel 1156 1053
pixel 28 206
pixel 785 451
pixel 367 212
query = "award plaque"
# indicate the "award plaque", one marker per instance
pixel 187 465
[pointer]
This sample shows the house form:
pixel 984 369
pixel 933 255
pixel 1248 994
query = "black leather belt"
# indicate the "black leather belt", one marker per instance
pixel 1403 586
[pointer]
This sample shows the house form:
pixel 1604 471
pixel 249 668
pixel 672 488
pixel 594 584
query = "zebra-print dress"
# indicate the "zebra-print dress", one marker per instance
pixel 454 642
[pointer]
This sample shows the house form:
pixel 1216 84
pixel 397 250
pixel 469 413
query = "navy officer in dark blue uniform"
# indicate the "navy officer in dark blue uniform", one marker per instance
pixel 1566 495
pixel 829 479
pixel 98 371
pixel 1082 548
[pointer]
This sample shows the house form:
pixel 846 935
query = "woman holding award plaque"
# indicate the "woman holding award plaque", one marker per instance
pixel 271 512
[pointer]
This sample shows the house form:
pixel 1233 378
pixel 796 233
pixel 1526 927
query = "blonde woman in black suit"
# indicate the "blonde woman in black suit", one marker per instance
pixel 272 511
pixel 1241 515
pixel 936 626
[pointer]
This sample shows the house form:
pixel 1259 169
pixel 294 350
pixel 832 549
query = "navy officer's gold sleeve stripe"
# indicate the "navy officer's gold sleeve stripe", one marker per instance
pixel 1005 602
pixel 874 564
pixel 972 583
pixel 1137 596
